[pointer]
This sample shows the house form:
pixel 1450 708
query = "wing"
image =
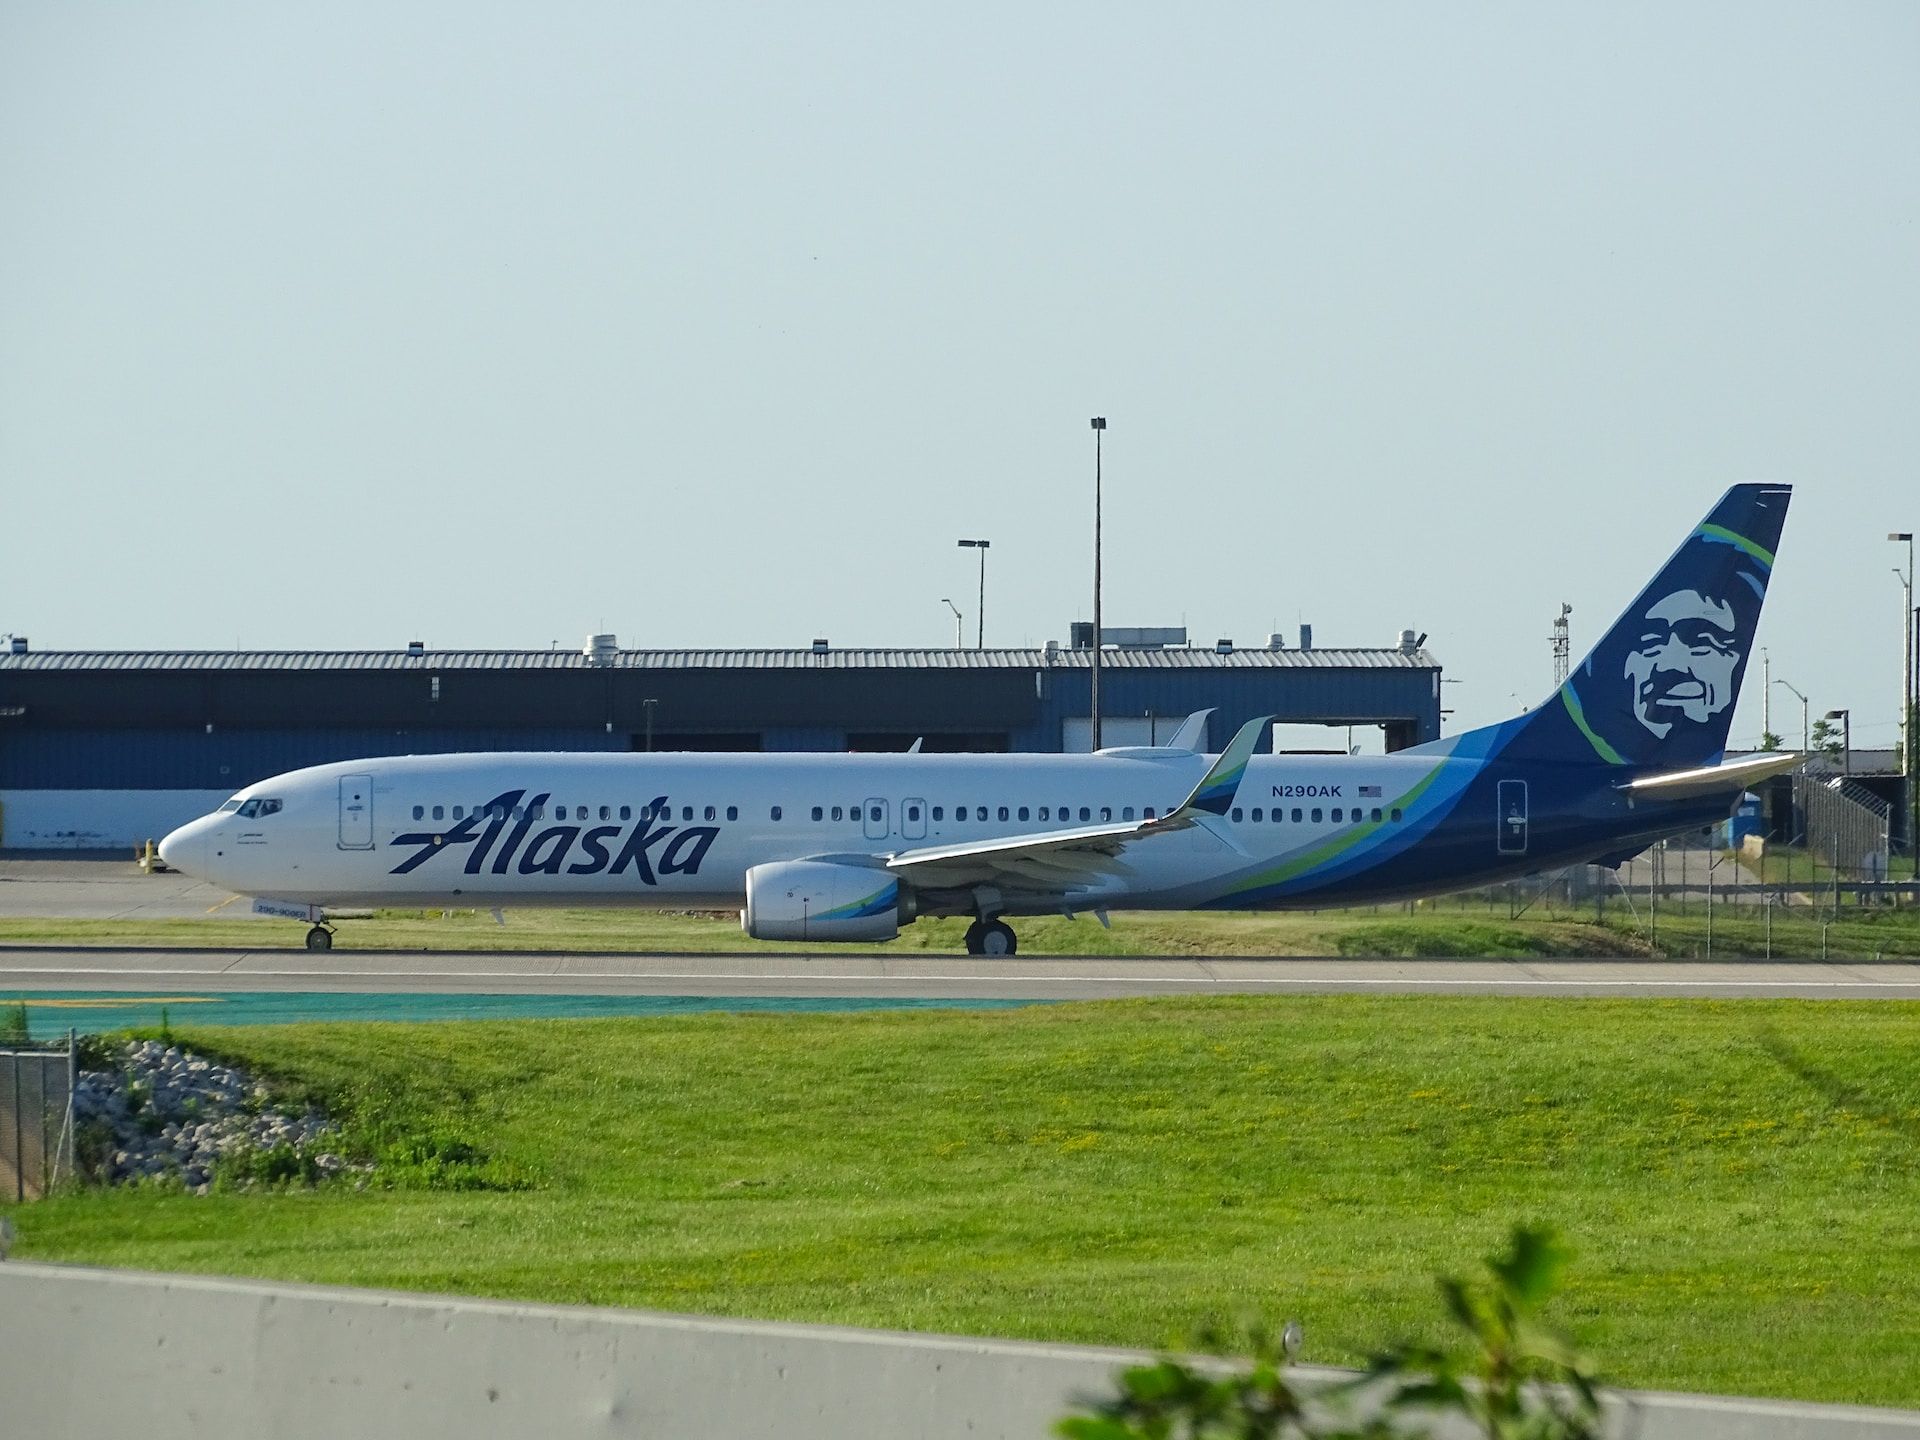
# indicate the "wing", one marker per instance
pixel 1060 860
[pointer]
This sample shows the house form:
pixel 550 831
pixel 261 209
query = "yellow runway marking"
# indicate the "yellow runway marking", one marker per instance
pixel 110 1001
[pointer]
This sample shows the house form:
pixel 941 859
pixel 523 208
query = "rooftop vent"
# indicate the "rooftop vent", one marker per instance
pixel 820 646
pixel 416 648
pixel 1306 637
pixel 1409 642
pixel 1223 646
pixel 19 644
pixel 1276 641
pixel 601 649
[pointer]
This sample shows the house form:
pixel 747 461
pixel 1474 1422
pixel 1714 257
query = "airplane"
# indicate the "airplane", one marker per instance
pixel 841 848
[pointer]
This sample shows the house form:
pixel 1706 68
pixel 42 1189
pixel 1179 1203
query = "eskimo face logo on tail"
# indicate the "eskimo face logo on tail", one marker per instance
pixel 650 846
pixel 1685 663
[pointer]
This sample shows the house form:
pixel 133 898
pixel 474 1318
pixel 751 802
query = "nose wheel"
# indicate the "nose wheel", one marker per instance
pixel 992 937
pixel 319 938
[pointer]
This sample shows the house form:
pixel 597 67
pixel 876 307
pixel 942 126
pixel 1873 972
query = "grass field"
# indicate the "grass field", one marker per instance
pixel 1436 929
pixel 1740 1180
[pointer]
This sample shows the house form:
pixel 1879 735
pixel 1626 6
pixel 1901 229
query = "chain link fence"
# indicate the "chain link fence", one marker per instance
pixel 36 1117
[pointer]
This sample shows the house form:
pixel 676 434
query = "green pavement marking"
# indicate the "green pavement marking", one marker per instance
pixel 51 1014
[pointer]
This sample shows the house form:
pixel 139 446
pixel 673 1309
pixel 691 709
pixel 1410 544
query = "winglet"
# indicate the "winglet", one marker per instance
pixel 1192 734
pixel 1214 794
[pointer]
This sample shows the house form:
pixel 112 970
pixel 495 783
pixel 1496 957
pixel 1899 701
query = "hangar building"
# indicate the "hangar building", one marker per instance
pixel 104 749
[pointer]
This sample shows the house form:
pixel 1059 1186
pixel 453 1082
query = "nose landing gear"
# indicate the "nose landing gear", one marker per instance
pixel 993 938
pixel 319 938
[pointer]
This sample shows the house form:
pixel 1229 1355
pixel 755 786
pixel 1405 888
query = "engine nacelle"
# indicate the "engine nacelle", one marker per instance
pixel 820 900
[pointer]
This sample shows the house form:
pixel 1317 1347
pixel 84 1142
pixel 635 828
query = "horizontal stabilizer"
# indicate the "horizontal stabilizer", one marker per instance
pixel 1713 779
pixel 1192 734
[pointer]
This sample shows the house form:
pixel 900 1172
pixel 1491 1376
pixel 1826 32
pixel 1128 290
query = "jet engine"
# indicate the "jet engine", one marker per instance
pixel 822 900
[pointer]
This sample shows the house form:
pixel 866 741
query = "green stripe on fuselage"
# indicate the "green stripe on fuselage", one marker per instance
pixel 1339 844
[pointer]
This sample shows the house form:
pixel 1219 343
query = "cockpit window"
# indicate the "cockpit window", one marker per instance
pixel 253 808
pixel 250 809
pixel 229 807
pixel 272 807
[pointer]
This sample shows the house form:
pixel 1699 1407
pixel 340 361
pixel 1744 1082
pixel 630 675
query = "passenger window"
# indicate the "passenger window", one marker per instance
pixel 1004 814
pixel 1236 815
pixel 686 812
pixel 1395 814
pixel 519 812
pixel 626 812
pixel 1376 814
pixel 1127 814
pixel 836 812
pixel 959 814
pixel 1085 814
pixel 913 812
pixel 1316 814
pixel 1336 814
pixel 1256 815
pixel 1023 812
pixel 775 812
pixel 939 812
pixel 816 813
pixel 1296 815
pixel 1148 812
pixel 876 814
pixel 439 812
pixel 733 812
pixel 980 812
pixel 252 807
pixel 1045 813
pixel 1106 813
pixel 459 812
pixel 709 813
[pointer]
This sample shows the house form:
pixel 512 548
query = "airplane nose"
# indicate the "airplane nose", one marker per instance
pixel 185 849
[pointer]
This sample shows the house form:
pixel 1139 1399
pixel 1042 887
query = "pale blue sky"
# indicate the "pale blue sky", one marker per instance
pixel 716 325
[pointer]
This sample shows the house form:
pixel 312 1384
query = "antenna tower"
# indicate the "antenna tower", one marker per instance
pixel 1562 646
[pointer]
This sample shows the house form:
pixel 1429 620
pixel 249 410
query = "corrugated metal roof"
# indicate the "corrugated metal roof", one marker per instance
pixel 803 659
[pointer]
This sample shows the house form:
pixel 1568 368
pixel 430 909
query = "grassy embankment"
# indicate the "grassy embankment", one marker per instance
pixel 1436 929
pixel 1740 1179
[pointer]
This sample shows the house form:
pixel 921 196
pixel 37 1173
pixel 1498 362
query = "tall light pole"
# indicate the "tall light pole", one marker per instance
pixel 980 616
pixel 958 620
pixel 1806 730
pixel 1099 434
pixel 1845 717
pixel 1906 682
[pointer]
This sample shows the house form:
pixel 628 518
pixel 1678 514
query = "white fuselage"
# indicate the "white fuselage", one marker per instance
pixel 682 830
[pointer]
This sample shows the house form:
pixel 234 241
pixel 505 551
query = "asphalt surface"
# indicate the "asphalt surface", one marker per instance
pixel 25 969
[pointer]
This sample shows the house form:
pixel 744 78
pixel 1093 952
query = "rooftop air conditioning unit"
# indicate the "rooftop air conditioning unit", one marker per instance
pixel 601 649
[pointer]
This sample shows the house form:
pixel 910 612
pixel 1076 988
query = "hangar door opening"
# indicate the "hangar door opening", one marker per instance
pixel 356 812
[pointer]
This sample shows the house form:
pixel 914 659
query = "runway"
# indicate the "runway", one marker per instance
pixel 25 969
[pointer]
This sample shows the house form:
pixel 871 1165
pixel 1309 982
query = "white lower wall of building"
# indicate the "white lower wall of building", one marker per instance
pixel 96 819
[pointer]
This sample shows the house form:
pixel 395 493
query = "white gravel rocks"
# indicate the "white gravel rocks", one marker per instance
pixel 164 1113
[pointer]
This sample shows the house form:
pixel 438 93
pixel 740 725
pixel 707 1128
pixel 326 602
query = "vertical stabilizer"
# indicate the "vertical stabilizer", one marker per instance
pixel 1660 686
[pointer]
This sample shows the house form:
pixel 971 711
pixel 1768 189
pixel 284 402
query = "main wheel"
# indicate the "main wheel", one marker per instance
pixel 319 938
pixel 975 938
pixel 997 939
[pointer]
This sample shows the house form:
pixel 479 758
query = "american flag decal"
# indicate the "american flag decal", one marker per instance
pixel 1369 792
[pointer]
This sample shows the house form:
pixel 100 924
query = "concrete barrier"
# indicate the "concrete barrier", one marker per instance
pixel 85 1353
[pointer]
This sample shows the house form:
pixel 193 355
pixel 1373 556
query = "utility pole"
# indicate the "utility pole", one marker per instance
pixel 1766 696
pixel 1806 730
pixel 958 621
pixel 1099 434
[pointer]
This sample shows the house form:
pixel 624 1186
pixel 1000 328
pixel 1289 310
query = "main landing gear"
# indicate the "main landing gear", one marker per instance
pixel 319 938
pixel 991 937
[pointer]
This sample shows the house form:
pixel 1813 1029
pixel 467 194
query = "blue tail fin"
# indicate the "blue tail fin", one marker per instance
pixel 1659 689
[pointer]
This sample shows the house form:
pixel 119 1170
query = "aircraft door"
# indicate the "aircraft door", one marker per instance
pixel 356 812
pixel 1513 817
pixel 913 818
pixel 876 818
